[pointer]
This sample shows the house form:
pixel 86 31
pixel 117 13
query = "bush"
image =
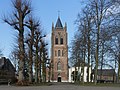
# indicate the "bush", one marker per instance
pixel 22 83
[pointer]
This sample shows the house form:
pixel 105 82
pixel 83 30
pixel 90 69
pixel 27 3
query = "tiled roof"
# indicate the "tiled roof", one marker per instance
pixel 6 63
pixel 106 72
pixel 1 62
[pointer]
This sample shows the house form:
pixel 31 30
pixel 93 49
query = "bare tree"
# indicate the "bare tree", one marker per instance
pixel 1 52
pixel 14 58
pixel 33 25
pixel 22 8
pixel 114 50
pixel 85 23
pixel 38 46
pixel 44 58
pixel 75 57
pixel 99 8
pixel 79 47
pixel 89 23
pixel 98 30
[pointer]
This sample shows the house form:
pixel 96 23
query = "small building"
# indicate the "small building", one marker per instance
pixel 7 71
pixel 76 72
pixel 106 75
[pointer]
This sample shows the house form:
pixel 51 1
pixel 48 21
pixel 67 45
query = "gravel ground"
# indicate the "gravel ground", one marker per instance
pixel 57 87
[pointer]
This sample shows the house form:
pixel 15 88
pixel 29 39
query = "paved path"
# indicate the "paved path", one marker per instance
pixel 57 87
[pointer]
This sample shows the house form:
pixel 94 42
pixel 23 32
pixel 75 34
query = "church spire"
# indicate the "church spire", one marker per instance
pixel 58 24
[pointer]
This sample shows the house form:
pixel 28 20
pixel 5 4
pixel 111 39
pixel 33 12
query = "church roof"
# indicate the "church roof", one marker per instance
pixel 58 24
pixel 6 64
pixel 106 72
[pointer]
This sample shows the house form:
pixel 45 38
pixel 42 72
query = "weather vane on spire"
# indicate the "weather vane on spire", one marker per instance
pixel 58 13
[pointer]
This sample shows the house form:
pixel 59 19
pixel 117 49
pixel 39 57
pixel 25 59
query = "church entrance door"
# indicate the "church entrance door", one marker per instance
pixel 59 79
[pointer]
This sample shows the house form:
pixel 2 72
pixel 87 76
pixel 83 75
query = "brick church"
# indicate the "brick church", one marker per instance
pixel 59 52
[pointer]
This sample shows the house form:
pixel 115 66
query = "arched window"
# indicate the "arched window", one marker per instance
pixel 58 66
pixel 61 40
pixel 58 53
pixel 56 40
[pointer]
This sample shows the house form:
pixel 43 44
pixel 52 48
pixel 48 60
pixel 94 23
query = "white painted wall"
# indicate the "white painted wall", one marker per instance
pixel 79 71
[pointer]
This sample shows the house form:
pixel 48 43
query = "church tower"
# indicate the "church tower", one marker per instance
pixel 59 52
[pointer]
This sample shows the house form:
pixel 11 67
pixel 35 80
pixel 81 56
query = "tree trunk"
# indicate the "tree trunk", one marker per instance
pixel 102 60
pixel 36 66
pixel 30 64
pixel 97 52
pixel 30 44
pixel 83 65
pixel 99 15
pixel 119 69
pixel 44 66
pixel 88 74
pixel 21 76
pixel 40 66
